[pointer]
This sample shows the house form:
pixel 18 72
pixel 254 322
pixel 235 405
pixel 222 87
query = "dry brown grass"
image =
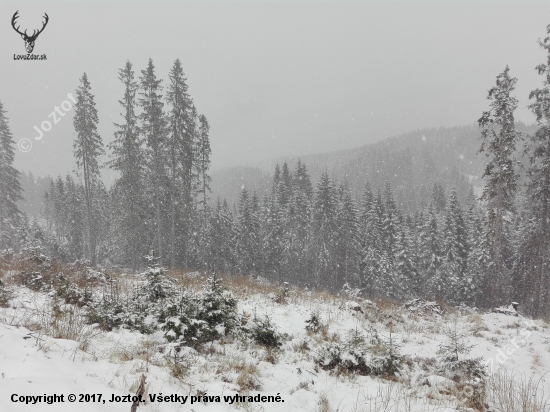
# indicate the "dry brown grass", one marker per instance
pixel 477 324
pixel 518 393
pixel 248 378
pixel 323 403
pixel 16 270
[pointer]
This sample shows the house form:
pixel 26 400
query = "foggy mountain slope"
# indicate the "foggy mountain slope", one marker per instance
pixel 411 162
pixel 228 183
pixel 33 193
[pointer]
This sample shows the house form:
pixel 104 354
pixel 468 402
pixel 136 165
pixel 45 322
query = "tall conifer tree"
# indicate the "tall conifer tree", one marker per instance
pixel 153 126
pixel 127 159
pixel 499 140
pixel 538 189
pixel 88 147
pixel 10 186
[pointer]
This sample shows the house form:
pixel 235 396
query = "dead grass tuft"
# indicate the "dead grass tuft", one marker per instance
pixel 518 393
pixel 323 403
pixel 248 378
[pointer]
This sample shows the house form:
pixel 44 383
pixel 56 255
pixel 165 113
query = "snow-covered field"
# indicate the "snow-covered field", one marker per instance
pixel 111 363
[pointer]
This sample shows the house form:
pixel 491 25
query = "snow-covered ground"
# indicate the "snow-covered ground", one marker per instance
pixel 112 363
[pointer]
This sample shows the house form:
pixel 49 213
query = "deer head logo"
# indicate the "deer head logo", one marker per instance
pixel 29 40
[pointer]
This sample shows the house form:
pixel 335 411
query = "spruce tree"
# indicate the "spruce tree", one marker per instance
pixel 405 272
pixel 88 147
pixel 202 191
pixel 75 218
pixel 128 160
pixel 180 141
pixel 10 186
pixel 438 197
pixel 431 254
pixel 479 256
pixel 248 233
pixel 272 233
pixel 222 238
pixel 302 193
pixel 324 230
pixel 203 153
pixel 390 223
pixel 153 126
pixel 499 140
pixel 348 235
pixel 450 266
pixel 538 190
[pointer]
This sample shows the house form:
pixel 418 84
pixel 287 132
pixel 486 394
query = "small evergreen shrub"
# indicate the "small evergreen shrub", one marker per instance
pixel 71 293
pixel 217 308
pixel 185 316
pixel 264 333
pixel 349 356
pixel 452 365
pixel 5 295
pixel 470 373
pixel 107 311
pixel 178 318
pixel 314 323
pixel 157 285
pixel 32 280
pixel 360 355
pixel 198 318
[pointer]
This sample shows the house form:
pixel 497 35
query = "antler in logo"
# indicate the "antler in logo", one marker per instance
pixel 29 40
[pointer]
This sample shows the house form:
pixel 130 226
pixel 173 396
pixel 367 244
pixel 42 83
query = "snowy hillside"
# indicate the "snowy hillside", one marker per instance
pixel 311 351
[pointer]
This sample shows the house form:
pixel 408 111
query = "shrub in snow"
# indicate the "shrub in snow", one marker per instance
pixel 314 323
pixel 36 270
pixel 264 333
pixel 107 310
pixel 178 318
pixel 217 307
pixel 35 255
pixel 157 285
pixel 72 294
pixel 5 295
pixel 186 317
pixel 358 354
pixel 94 277
pixel 197 318
pixel 350 356
pixel 32 280
pixel 468 373
pixel 452 364
pixel 386 359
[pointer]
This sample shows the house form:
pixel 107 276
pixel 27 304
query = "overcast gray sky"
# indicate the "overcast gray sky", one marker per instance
pixel 273 78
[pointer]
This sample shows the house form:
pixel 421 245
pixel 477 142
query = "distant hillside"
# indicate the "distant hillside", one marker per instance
pixel 411 162
pixel 228 183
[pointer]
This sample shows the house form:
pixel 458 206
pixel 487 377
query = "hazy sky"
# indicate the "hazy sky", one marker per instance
pixel 273 78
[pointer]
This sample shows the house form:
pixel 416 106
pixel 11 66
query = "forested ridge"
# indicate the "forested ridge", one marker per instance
pixel 412 163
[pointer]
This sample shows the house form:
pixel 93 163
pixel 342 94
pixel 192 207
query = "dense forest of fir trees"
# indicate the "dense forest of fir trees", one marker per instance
pixel 484 251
